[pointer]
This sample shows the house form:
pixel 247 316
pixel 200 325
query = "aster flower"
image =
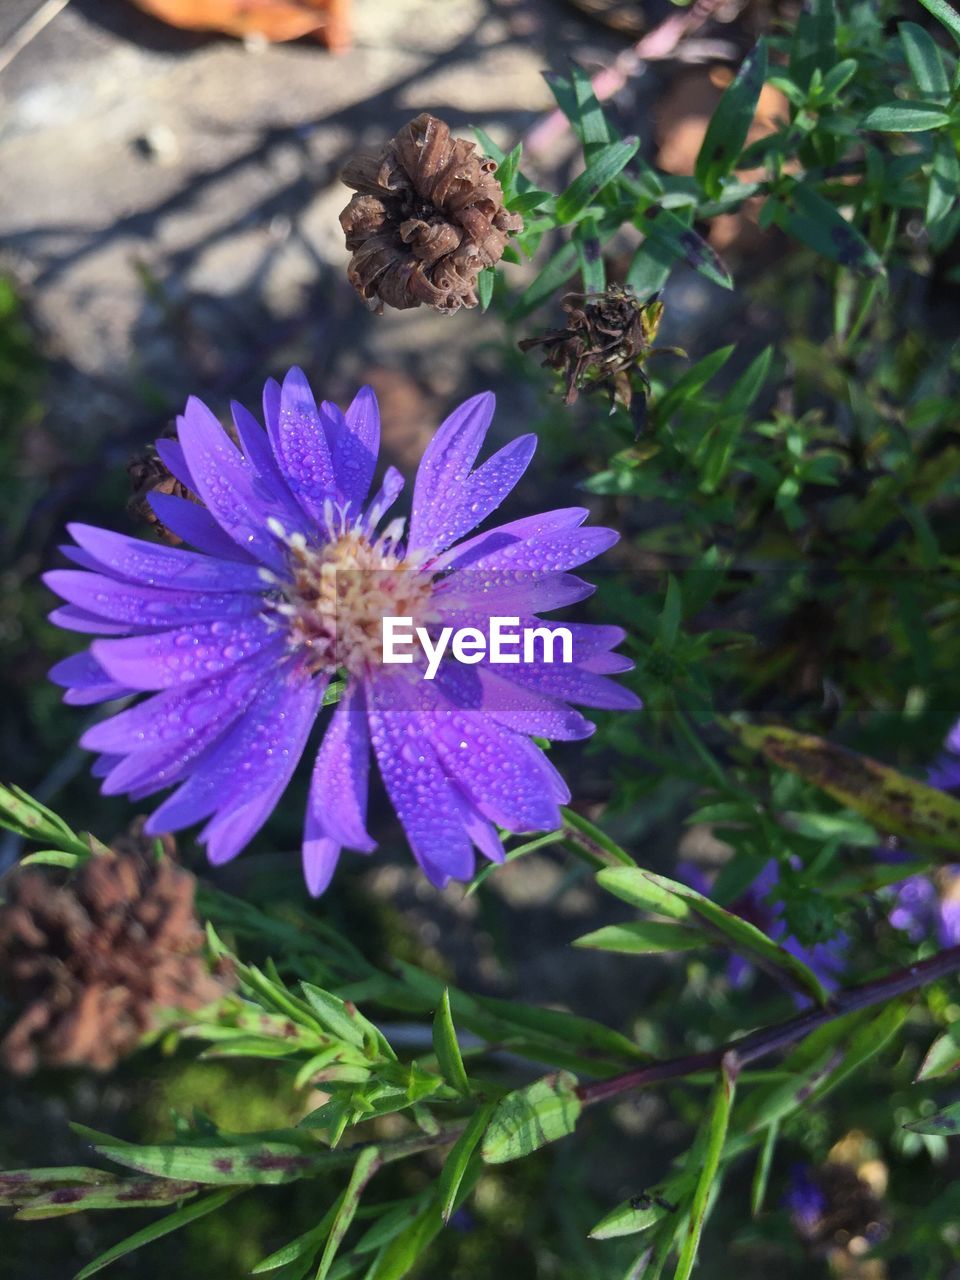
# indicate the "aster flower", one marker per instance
pixel 238 641
pixel 758 905
pixel 929 906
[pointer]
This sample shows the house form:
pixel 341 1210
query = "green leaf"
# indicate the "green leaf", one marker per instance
pixel 368 1162
pixel 554 275
pixel 906 117
pixel 458 1161
pixel 668 624
pixel 335 1015
pixel 219 1161
pixel 447 1048
pixel 814 44
pixel 810 218
pixel 730 123
pixel 485 283
pixel 944 1123
pixel 716 1134
pixel 303 1246
pixel 679 902
pixel 529 1118
pixel 641 1212
pixel 761 1176
pixel 674 237
pixel 690 384
pixel 891 801
pixel 642 938
pixel 590 253
pixel 26 817
pixel 924 60
pixel 588 120
pixel 944 180
pixel 945 13
pixel 606 163
pixel 943 1056
pixel 172 1222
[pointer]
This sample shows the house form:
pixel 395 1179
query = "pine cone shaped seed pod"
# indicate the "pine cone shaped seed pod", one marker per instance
pixel 90 963
pixel 427 218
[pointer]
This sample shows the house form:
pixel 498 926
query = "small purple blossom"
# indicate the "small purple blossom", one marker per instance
pixel 927 907
pixel 237 641
pixel 805 1200
pixel 758 906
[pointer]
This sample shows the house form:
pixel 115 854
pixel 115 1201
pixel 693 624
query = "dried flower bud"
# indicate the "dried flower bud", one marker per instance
pixel 427 218
pixel 608 336
pixel 91 963
pixel 148 474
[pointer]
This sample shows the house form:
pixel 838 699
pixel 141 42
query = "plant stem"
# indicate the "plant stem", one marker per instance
pixel 766 1040
pixel 587 839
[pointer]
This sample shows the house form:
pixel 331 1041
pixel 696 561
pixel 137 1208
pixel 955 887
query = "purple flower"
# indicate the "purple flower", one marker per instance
pixel 238 641
pixel 929 906
pixel 805 1200
pixel 826 959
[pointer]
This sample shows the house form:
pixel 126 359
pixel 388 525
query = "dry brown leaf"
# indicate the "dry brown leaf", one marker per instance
pixel 274 20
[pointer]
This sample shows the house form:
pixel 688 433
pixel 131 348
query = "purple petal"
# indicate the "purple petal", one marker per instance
pixel 444 470
pixel 194 524
pixel 168 658
pixel 500 771
pixel 472 598
pixel 153 564
pixel 181 712
pixel 355 448
pixel 133 604
pixel 86 681
pixel 461 507
pixel 298 435
pixel 224 480
pixel 484 836
pixel 556 550
pixel 573 684
pixel 240 779
pixel 475 550
pixel 385 497
pixel 72 619
pixel 423 796
pixel 170 453
pixel 337 806
pixel 528 711
pixel 320 858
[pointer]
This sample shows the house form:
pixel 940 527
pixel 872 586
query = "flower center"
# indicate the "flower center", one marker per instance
pixel 337 594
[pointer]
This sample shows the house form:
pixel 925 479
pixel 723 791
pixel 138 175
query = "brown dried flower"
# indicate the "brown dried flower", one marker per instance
pixel 427 218
pixel 91 963
pixel 607 336
pixel 148 474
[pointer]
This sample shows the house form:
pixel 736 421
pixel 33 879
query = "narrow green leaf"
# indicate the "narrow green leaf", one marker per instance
pixel 730 123
pixel 891 801
pixel 945 1122
pixel 761 1176
pixel 368 1162
pixel 691 383
pixel 337 1017
pixel 447 1048
pixel 172 1222
pixel 634 886
pixel 924 60
pixel 529 1118
pixel 53 858
pixel 716 1135
pixel 553 276
pixel 906 117
pixel 590 253
pixel 646 1209
pixel 814 44
pixel 944 12
pixel 218 1161
pixel 674 237
pixel 668 624
pixel 589 122
pixel 944 180
pixel 943 1056
pixel 810 218
pixel 608 161
pixel 642 938
pixel 304 1246
pixel 458 1160
pixel 485 282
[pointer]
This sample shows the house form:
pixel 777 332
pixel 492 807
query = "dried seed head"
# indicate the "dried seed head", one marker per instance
pixel 427 218
pixel 91 963
pixel 607 336
pixel 148 474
